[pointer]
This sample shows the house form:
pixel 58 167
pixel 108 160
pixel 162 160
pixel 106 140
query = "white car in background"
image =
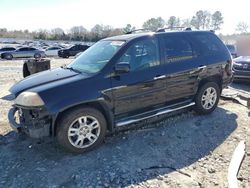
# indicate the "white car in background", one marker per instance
pixel 52 51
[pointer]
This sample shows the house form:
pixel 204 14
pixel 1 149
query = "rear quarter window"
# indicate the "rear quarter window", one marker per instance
pixel 207 43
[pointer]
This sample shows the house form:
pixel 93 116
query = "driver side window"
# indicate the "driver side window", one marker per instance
pixel 141 55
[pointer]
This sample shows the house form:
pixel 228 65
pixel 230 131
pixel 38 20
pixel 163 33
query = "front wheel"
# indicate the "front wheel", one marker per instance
pixel 81 130
pixel 207 98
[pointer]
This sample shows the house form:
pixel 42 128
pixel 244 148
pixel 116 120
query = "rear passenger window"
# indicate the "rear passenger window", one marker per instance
pixel 177 49
pixel 207 43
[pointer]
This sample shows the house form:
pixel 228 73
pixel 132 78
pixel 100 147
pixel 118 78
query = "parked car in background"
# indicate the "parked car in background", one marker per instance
pixel 72 51
pixel 52 51
pixel 241 67
pixel 119 81
pixel 6 49
pixel 24 52
pixel 232 49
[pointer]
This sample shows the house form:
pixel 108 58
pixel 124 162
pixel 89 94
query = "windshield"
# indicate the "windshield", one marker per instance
pixel 96 57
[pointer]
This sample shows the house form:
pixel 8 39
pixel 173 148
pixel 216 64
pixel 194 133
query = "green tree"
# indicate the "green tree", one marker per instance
pixel 96 32
pixel 201 20
pixel 41 34
pixel 153 24
pixel 186 23
pixel 216 20
pixel 78 33
pixel 173 22
pixel 3 32
pixel 128 28
pixel 57 34
pixel 242 27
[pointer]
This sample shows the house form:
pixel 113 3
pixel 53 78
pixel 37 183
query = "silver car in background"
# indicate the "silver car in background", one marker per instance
pixel 52 51
pixel 24 52
pixel 6 49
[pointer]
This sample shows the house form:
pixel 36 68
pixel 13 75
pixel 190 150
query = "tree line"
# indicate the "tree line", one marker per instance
pixel 202 19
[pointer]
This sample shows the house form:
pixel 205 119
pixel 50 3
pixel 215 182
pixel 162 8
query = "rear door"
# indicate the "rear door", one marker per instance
pixel 143 87
pixel 183 67
pixel 31 52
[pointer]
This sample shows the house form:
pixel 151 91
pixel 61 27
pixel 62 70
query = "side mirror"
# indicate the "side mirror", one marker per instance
pixel 122 67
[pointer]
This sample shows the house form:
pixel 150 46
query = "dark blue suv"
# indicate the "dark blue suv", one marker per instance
pixel 119 81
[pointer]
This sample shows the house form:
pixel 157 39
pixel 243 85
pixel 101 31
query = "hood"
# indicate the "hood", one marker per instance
pixel 42 78
pixel 245 59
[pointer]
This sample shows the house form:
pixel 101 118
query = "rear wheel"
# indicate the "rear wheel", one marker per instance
pixel 207 98
pixel 8 57
pixel 81 130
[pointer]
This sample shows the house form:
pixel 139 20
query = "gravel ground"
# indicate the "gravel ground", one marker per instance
pixel 184 150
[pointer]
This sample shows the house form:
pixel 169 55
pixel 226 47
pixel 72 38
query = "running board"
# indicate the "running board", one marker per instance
pixel 135 119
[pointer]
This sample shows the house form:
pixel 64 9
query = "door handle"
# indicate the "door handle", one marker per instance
pixel 159 77
pixel 202 67
pixel 199 69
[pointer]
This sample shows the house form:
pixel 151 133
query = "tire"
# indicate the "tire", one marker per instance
pixel 207 98
pixel 8 56
pixel 69 131
pixel 36 56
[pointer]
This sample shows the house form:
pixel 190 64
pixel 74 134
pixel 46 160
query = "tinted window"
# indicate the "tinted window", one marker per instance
pixel 177 48
pixel 53 48
pixel 207 43
pixel 7 49
pixel 22 49
pixel 75 48
pixel 83 47
pixel 141 55
pixel 31 49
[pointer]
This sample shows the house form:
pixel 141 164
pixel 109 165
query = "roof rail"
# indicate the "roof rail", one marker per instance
pixel 133 31
pixel 171 28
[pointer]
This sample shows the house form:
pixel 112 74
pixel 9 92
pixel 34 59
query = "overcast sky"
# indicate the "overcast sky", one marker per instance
pixel 48 14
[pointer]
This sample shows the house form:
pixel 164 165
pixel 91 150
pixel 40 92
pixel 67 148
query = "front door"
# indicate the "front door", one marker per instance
pixel 143 87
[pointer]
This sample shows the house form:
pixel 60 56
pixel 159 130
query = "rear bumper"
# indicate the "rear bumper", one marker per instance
pixel 36 123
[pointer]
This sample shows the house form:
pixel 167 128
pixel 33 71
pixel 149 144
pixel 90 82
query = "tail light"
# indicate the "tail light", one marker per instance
pixel 228 67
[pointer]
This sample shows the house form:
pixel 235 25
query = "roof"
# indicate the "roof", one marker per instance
pixel 128 37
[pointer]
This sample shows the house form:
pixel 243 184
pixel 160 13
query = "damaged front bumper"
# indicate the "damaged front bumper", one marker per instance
pixel 34 122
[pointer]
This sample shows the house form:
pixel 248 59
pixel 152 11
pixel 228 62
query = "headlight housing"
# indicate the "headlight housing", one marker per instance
pixel 29 99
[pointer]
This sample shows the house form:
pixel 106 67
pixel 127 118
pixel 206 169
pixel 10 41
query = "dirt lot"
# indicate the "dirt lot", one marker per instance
pixel 184 150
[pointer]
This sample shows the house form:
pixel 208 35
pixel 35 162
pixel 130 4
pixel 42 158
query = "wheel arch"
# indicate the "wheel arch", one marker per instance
pixel 99 105
pixel 216 79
